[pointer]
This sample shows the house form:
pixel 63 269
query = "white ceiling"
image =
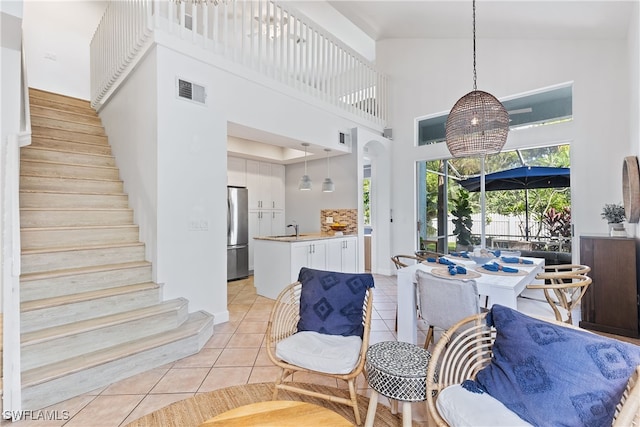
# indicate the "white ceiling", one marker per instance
pixel 525 19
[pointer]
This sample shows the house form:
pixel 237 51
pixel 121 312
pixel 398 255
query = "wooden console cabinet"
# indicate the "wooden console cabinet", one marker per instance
pixel 611 301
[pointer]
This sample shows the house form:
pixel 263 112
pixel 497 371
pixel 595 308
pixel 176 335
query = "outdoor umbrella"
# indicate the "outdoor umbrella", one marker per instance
pixel 521 178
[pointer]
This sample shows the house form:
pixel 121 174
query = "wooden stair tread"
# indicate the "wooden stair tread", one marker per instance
pixel 85 296
pixel 79 227
pixel 40 93
pixel 44 115
pixel 75 178
pixel 42 136
pixel 62 108
pixel 77 165
pixel 50 372
pixel 81 248
pixel 59 150
pixel 81 270
pixel 58 120
pixel 54 209
pixel 91 193
pixel 70 329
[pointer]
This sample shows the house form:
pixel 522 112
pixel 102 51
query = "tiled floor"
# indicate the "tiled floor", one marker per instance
pixel 233 356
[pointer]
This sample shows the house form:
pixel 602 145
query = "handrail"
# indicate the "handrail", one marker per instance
pixel 117 44
pixel 263 35
pixel 11 268
pixel 25 114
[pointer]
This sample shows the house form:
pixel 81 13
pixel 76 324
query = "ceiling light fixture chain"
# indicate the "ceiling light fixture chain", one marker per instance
pixel 475 76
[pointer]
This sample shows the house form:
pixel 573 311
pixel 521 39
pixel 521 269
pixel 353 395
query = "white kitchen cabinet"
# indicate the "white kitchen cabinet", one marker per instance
pixel 265 182
pixel 264 223
pixel 342 255
pixel 278 261
pixel 236 172
pixel 259 184
pixel 311 254
pixel 276 182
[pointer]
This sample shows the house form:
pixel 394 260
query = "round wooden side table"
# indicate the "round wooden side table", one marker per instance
pixel 397 370
pixel 278 413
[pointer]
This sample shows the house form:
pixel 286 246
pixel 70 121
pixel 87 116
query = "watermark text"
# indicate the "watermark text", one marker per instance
pixel 39 415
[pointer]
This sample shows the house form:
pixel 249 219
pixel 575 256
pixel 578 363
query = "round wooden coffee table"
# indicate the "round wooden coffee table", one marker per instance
pixel 280 413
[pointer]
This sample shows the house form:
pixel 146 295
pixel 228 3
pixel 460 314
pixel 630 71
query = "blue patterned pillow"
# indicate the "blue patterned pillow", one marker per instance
pixel 551 375
pixel 331 302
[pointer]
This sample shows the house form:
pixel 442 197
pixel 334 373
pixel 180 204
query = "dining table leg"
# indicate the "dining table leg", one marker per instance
pixel 407 313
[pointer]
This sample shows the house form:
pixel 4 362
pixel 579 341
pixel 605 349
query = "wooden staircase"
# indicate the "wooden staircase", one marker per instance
pixel 90 312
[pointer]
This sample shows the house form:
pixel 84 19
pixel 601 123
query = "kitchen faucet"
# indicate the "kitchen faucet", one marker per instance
pixel 295 227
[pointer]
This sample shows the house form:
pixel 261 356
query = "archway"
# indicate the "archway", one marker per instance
pixel 375 149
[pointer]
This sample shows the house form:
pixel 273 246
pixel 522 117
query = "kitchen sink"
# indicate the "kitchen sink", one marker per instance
pixel 288 236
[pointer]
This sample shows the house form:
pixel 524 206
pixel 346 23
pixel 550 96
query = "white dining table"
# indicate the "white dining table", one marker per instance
pixel 501 289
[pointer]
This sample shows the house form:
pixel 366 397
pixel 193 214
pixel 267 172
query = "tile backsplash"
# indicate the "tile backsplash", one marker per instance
pixel 345 216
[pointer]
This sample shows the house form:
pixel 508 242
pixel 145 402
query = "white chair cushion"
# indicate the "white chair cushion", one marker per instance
pixel 537 294
pixel 461 407
pixel 540 309
pixel 332 354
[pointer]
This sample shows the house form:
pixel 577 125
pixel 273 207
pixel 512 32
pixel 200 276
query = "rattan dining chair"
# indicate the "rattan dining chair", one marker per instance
pixel 284 324
pixel 554 274
pixel 563 294
pixel 402 261
pixel 424 254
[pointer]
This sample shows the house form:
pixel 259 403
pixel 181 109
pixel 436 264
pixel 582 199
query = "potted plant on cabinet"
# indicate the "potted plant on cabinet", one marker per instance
pixel 615 216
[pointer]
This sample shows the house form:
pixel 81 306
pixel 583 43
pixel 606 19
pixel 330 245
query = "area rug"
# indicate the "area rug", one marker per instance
pixel 197 409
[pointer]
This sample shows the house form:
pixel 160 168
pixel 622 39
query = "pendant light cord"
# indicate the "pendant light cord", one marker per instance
pixel 328 163
pixel 475 85
pixel 305 159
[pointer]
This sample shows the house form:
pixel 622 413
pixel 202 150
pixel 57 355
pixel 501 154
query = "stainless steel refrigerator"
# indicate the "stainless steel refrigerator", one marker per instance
pixel 237 233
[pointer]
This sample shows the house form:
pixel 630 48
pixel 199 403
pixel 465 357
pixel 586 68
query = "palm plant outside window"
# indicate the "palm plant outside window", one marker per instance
pixel 443 210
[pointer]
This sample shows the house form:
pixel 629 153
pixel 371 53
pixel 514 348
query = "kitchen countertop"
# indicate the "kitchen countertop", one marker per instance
pixel 303 237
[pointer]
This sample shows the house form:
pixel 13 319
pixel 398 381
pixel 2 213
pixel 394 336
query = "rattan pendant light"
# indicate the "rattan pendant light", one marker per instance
pixel 478 123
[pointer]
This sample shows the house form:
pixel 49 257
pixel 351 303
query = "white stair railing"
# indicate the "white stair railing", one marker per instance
pixel 118 43
pixel 263 35
pixel 10 229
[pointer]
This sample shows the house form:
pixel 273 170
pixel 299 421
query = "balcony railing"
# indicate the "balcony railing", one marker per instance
pixel 263 35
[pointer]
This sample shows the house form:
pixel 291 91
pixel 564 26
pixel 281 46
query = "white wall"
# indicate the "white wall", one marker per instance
pixel 169 154
pixel 192 188
pixel 600 139
pixel 131 123
pixel 57 36
pixel 304 206
pixel 633 51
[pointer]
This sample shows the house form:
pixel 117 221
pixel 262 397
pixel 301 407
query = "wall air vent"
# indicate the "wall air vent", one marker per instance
pixel 191 91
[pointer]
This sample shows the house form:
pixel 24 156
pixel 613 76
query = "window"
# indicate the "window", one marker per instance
pixel 535 219
pixel 537 109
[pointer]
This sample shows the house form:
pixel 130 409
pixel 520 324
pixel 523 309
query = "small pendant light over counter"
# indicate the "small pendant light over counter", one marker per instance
pixel 327 184
pixel 305 181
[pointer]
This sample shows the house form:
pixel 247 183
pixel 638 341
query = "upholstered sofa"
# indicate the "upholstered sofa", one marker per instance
pixel 503 368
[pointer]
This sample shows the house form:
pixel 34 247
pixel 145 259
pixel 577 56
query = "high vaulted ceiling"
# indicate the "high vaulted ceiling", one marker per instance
pixel 524 19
